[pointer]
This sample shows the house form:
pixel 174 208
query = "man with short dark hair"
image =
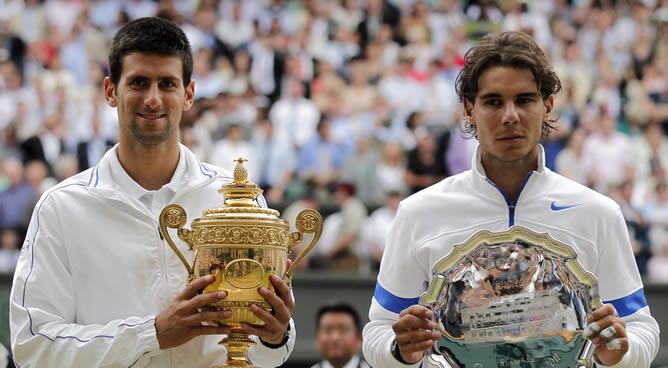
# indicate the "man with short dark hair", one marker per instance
pixel 338 337
pixel 96 285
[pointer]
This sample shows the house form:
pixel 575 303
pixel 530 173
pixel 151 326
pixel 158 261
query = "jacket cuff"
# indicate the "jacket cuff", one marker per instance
pixel 394 350
pixel 286 338
pixel 147 340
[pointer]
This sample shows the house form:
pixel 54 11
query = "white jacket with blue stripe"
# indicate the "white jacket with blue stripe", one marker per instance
pixel 430 222
pixel 94 272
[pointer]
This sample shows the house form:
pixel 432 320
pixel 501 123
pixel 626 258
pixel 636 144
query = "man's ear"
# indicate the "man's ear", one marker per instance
pixel 549 105
pixel 468 111
pixel 109 92
pixel 190 95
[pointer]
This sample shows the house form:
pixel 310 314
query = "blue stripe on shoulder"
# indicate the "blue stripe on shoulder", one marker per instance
pixel 392 302
pixel 629 304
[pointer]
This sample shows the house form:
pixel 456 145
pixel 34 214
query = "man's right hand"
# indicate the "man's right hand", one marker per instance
pixel 182 320
pixel 415 333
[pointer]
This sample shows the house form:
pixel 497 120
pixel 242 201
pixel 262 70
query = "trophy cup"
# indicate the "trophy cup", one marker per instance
pixel 241 245
pixel 512 299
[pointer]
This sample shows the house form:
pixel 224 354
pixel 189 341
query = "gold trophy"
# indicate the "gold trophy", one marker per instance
pixel 241 245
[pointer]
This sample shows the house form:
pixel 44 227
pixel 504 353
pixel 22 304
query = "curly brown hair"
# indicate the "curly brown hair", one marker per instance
pixel 511 49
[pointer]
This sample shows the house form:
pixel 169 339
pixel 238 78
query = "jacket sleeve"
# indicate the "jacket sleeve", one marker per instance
pixel 264 356
pixel 44 330
pixel 399 285
pixel 620 285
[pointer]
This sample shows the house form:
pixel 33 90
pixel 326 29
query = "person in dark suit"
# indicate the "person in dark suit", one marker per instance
pixel 339 337
pixel 89 152
pixel 47 145
pixel 379 12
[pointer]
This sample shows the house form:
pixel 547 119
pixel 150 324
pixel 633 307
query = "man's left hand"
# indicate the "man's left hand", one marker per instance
pixel 275 323
pixel 608 333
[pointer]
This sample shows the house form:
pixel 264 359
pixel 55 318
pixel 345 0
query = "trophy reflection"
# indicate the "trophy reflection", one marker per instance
pixel 241 245
pixel 515 298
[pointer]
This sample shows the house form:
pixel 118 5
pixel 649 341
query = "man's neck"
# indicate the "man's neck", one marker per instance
pixel 510 177
pixel 150 166
pixel 339 363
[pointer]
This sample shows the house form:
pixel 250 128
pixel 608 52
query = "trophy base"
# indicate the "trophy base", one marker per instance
pixel 237 344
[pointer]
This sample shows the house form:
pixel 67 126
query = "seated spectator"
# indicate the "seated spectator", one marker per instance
pixel 569 159
pixel 15 199
pixel 276 163
pixel 360 169
pixel 608 145
pixel 342 252
pixel 338 337
pixel 636 225
pixel 9 252
pixel 294 117
pixel 224 152
pixel 308 200
pixel 423 166
pixel 376 228
pixel 321 159
pixel 655 213
pixel 391 171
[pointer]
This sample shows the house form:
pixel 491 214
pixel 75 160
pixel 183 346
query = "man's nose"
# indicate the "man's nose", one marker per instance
pixel 152 98
pixel 510 115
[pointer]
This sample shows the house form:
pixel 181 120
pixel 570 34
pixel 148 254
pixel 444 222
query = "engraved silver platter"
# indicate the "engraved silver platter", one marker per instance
pixel 511 299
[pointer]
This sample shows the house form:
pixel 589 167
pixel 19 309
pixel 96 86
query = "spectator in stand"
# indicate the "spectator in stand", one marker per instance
pixel 635 223
pixel 294 117
pixel 369 64
pixel 276 163
pixel 16 199
pixel 321 159
pixel 607 145
pixel 423 168
pixel 344 252
pixel 377 227
pixel 391 171
pixel 225 151
pixel 569 159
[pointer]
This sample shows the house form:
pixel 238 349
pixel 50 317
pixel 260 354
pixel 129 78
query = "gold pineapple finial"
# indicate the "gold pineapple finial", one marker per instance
pixel 240 171
pixel 241 192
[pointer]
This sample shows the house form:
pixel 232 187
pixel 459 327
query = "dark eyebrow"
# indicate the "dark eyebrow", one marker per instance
pixel 489 96
pixel 168 78
pixel 528 95
pixel 135 76
pixel 492 95
pixel 164 77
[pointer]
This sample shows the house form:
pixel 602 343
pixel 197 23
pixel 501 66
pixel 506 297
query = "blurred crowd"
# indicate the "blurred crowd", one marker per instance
pixel 345 106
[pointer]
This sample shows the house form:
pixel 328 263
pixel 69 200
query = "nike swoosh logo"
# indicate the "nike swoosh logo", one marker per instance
pixel 555 207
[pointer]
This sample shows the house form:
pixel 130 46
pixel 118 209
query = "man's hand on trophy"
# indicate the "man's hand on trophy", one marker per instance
pixel 276 323
pixel 607 331
pixel 182 320
pixel 415 333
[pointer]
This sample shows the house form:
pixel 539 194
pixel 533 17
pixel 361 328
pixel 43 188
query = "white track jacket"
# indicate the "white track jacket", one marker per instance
pixel 94 272
pixel 430 222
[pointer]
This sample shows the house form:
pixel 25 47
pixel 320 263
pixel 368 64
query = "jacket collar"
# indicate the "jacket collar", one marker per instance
pixel 482 184
pixel 109 175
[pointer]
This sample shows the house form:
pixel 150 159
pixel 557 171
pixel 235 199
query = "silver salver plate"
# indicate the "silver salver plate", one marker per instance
pixel 511 299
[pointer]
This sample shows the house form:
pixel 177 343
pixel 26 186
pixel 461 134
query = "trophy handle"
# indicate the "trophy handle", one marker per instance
pixel 174 216
pixel 308 221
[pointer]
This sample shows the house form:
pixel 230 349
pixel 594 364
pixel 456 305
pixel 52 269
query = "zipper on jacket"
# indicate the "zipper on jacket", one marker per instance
pixel 165 280
pixel 511 206
pixel 164 265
